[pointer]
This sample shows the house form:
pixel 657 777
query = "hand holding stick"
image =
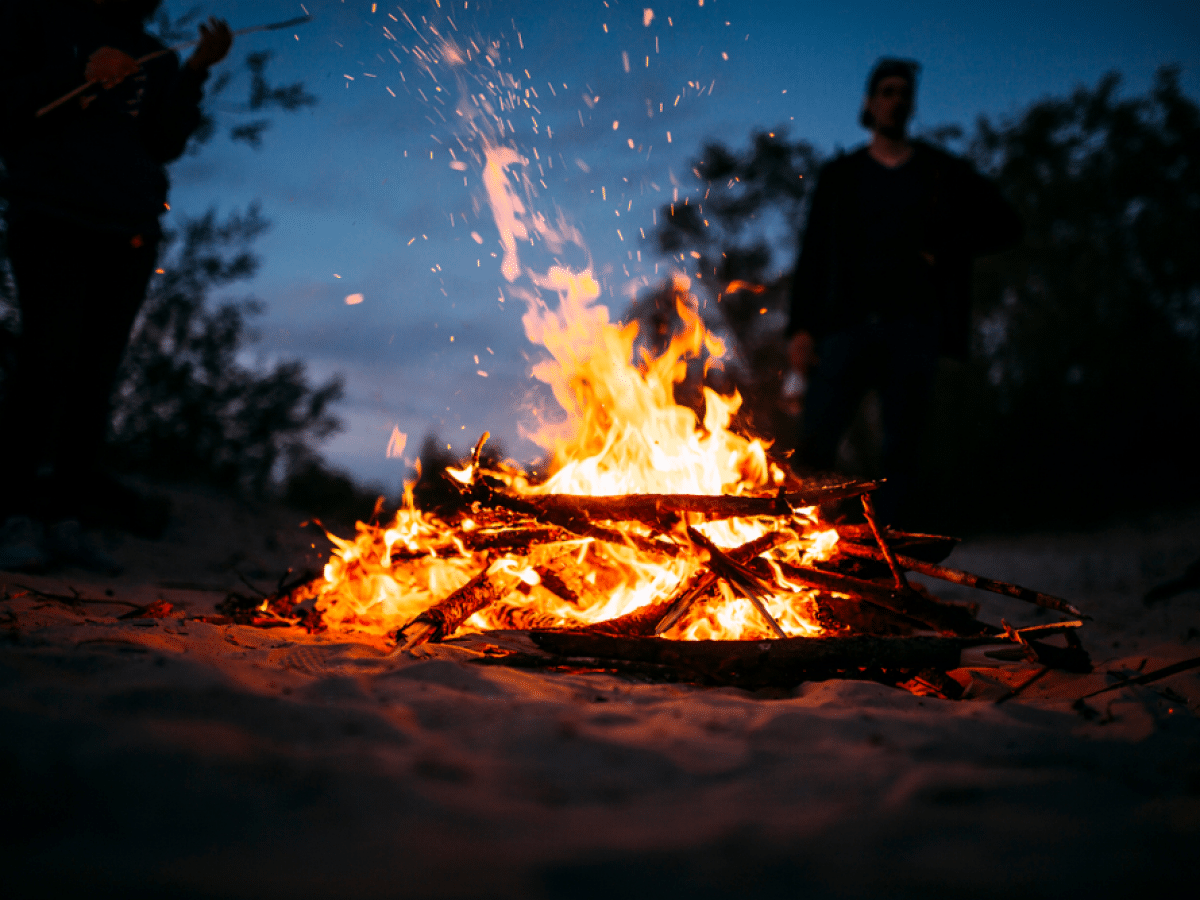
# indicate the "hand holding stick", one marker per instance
pixel 215 41
pixel 109 66
pixel 216 36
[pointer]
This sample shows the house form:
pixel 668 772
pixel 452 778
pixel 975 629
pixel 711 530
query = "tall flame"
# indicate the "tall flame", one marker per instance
pixel 621 432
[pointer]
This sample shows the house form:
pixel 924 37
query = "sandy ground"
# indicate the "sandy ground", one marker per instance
pixel 175 758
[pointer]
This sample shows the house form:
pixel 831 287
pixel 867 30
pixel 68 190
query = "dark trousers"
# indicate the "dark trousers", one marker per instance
pixel 79 291
pixel 897 358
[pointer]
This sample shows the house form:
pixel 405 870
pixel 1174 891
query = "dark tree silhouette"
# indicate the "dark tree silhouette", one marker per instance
pixel 1089 337
pixel 186 406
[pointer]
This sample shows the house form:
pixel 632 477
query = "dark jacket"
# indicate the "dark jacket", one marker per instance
pixel 98 163
pixel 964 216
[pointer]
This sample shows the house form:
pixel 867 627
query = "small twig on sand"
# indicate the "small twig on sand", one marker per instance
pixel 76 599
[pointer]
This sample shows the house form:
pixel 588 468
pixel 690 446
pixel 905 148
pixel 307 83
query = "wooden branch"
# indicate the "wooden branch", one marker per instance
pixel 574 522
pixel 511 539
pixel 839 615
pixel 776 661
pixel 655 508
pixel 444 618
pixel 741 579
pixel 927 547
pixel 873 521
pixel 1164 672
pixel 704 579
pixel 943 617
pixel 967 579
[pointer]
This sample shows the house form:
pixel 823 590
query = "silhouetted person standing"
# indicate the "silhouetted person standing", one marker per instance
pixel 85 186
pixel 882 286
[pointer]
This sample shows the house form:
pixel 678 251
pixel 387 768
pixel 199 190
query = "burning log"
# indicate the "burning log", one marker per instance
pixel 841 615
pixel 957 576
pixel 700 583
pixel 772 663
pixel 750 664
pixel 739 578
pixel 566 519
pixel 657 509
pixel 444 618
pixel 512 539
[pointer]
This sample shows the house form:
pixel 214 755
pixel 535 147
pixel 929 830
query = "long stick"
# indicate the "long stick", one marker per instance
pixel 873 521
pixel 944 617
pixel 275 26
pixel 655 507
pixel 957 576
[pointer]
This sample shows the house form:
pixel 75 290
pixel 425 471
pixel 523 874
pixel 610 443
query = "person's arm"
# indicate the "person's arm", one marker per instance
pixel 177 114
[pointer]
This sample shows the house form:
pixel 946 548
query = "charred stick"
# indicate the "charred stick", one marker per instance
pixel 840 615
pixel 790 655
pixel 477 453
pixel 506 541
pixel 943 617
pixel 655 508
pixel 704 579
pixel 514 539
pixel 873 521
pixel 442 619
pixel 576 523
pixel 739 578
pixel 928 547
pixel 1149 677
pixel 505 615
pixel 958 576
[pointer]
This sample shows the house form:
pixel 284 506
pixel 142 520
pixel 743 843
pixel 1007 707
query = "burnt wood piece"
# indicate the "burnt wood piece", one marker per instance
pixel 517 538
pixel 839 615
pixel 789 660
pixel 947 618
pixel 443 618
pixel 746 664
pixel 656 509
pixel 703 580
pixel 957 576
pixel 509 616
pixel 931 548
pixel 578 524
pixel 508 540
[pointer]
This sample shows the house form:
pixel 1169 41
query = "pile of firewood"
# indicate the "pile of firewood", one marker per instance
pixel 878 623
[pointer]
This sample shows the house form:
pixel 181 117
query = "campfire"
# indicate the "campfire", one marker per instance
pixel 661 541
pixel 663 544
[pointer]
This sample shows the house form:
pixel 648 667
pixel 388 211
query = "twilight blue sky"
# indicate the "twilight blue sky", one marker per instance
pixel 364 200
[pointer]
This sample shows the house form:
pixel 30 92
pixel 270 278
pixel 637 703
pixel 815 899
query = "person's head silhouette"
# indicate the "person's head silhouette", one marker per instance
pixel 891 96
